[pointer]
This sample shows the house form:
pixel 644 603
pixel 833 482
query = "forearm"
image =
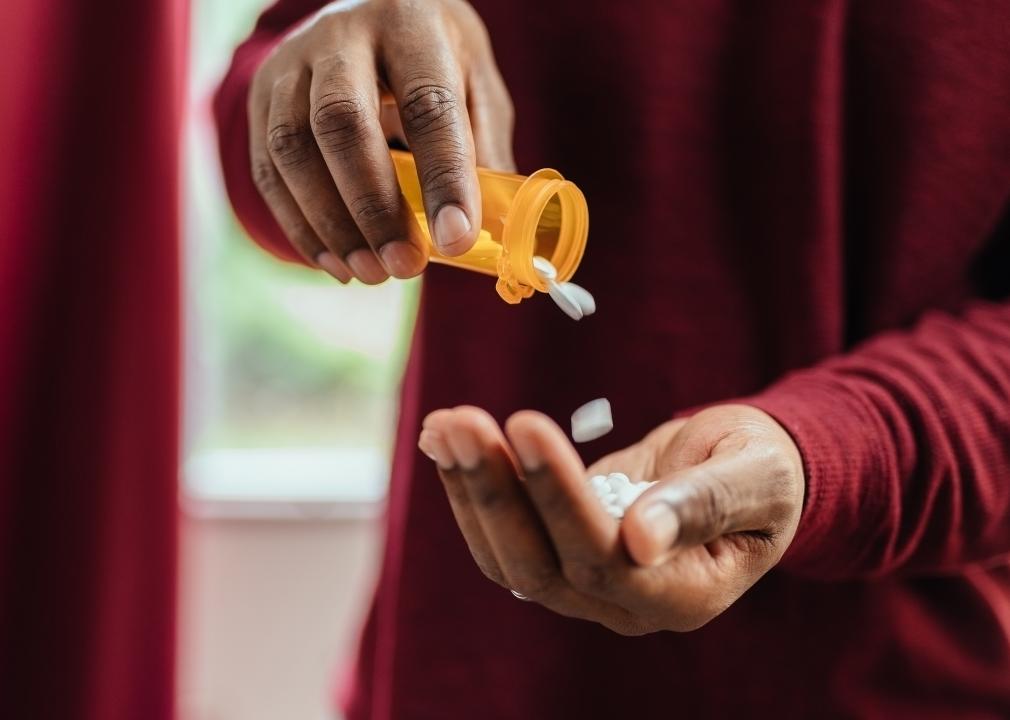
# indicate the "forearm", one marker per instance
pixel 906 448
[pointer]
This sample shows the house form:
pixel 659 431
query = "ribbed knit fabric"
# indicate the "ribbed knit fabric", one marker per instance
pixel 803 186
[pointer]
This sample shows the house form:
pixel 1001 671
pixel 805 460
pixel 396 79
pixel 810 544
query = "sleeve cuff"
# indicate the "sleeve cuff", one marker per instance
pixel 841 442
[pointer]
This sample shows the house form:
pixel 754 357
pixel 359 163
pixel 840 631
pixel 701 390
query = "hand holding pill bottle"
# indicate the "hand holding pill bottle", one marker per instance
pixel 542 216
pixel 323 107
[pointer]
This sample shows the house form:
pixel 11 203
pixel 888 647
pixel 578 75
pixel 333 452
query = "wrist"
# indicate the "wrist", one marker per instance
pixel 838 444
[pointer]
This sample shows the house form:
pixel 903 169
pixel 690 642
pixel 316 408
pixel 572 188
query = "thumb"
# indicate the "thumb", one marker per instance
pixel 694 506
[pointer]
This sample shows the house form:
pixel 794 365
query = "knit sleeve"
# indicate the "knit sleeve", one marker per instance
pixel 233 127
pixel 906 448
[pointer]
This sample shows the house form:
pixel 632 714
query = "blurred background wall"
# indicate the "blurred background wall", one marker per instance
pixel 291 392
pixel 268 611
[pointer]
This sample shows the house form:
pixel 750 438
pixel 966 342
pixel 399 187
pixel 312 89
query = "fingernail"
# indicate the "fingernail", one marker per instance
pixel 662 523
pixel 401 259
pixel 465 448
pixel 366 266
pixel 332 264
pixel 527 452
pixel 451 230
pixel 433 445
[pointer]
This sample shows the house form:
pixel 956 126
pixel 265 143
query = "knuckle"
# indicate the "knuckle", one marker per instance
pixel 711 505
pixel 261 84
pixel 483 494
pixel 374 208
pixel 401 13
pixel 428 106
pixel 289 144
pixel 549 498
pixel 588 576
pixel 265 177
pixel 780 468
pixel 443 173
pixel 339 121
pixel 305 243
pixel 337 236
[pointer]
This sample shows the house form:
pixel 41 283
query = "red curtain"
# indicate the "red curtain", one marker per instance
pixel 90 108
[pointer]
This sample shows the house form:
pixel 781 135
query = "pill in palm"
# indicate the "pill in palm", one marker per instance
pixel 616 492
pixel 592 420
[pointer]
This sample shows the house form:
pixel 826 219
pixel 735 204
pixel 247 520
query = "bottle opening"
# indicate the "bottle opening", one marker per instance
pixel 549 218
pixel 548 230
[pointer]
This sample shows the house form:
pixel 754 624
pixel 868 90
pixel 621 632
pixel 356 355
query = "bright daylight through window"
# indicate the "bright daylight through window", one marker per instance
pixel 290 402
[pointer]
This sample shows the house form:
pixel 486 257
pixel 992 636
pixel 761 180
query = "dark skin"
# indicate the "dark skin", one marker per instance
pixel 322 108
pixel 724 510
pixel 324 104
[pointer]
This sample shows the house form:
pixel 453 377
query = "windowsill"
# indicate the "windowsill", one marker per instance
pixel 286 484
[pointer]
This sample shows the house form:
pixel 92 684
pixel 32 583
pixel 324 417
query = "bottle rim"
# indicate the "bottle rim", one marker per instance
pixel 517 278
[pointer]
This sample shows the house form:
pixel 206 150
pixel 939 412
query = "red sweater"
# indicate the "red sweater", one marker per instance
pixel 91 99
pixel 801 203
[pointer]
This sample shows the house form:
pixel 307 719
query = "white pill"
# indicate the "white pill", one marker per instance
pixel 575 301
pixel 618 481
pixel 585 299
pixel 544 269
pixel 629 494
pixel 599 482
pixel 592 420
pixel 615 511
pixel 564 299
pixel 608 498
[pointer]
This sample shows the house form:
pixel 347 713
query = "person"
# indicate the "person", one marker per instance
pixel 800 253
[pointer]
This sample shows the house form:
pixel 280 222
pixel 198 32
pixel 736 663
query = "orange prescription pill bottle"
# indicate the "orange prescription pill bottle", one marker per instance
pixel 542 214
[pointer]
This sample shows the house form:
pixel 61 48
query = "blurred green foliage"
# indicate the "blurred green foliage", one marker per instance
pixel 278 347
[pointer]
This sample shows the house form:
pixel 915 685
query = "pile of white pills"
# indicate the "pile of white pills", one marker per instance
pixel 574 300
pixel 616 492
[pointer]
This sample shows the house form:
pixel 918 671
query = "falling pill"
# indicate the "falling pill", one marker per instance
pixel 585 299
pixel 574 300
pixel 562 297
pixel 592 420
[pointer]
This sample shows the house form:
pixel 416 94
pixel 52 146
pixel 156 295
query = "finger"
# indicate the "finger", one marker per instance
pixel 433 442
pixel 725 494
pixel 425 79
pixel 344 115
pixel 502 508
pixel 584 535
pixel 491 118
pixel 296 156
pixel 276 194
pixel 510 523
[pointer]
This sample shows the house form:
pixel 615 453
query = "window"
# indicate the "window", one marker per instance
pixel 291 378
